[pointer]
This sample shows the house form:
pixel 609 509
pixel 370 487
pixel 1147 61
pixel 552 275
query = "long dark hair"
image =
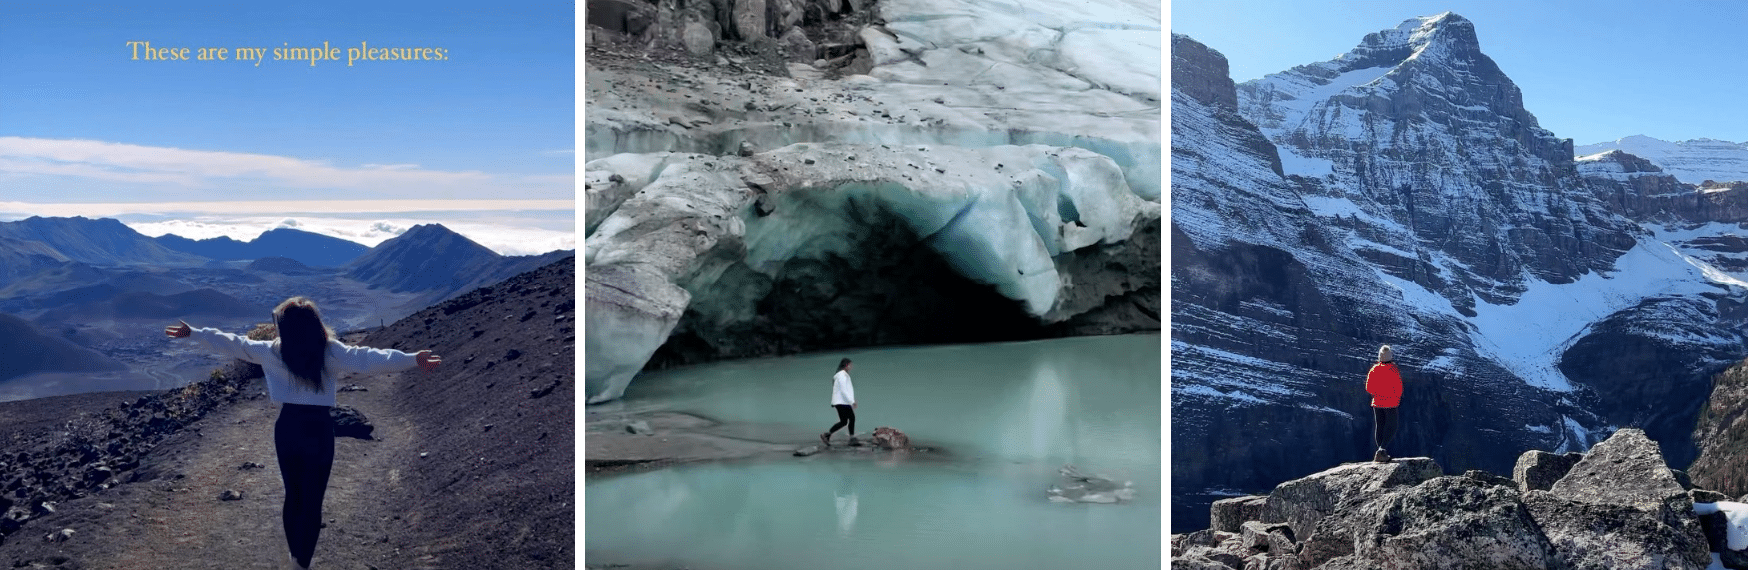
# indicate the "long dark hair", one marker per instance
pixel 303 342
pixel 843 362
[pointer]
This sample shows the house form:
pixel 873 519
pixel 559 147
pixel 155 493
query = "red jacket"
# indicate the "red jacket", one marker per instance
pixel 1385 385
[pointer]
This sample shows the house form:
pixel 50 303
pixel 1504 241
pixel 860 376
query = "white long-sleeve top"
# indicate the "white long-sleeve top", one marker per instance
pixel 842 393
pixel 282 387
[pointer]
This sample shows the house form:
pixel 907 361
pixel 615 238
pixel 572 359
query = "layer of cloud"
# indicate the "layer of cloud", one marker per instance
pixel 97 165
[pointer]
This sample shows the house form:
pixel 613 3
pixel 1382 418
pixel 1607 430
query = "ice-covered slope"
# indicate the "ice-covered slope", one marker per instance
pixel 1692 161
pixel 1401 194
pixel 979 171
pixel 735 242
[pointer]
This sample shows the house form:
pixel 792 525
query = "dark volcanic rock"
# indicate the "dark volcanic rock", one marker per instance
pixel 1541 469
pixel 522 468
pixel 25 349
pixel 1719 434
pixel 349 422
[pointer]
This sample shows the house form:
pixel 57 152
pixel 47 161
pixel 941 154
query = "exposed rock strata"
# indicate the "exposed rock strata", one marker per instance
pixel 1719 433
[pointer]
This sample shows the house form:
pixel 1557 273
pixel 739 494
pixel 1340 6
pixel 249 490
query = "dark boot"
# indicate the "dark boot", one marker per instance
pixel 824 439
pixel 1381 457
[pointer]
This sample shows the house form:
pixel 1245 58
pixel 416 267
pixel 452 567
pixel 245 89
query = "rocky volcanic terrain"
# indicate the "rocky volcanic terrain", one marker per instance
pixel 774 176
pixel 1401 194
pixel 1617 506
pixel 99 286
pixel 468 467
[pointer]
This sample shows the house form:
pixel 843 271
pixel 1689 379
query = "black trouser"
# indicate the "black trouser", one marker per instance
pixel 304 439
pixel 1385 426
pixel 846 417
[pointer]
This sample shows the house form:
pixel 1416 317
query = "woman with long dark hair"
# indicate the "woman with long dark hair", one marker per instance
pixel 300 369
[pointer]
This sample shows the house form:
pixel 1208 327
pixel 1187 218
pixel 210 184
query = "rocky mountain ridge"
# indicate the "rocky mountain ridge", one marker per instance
pixel 1694 161
pixel 1617 506
pixel 305 247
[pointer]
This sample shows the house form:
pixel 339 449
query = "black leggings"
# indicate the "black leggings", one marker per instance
pixel 1385 426
pixel 846 417
pixel 304 439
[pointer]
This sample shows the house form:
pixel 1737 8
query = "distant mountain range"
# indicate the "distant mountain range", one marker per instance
pixel 1691 161
pixel 428 258
pixel 26 349
pixel 431 258
pixel 311 249
pixel 101 241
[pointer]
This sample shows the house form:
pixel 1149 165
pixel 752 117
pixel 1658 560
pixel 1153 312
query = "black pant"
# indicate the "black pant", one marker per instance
pixel 1385 426
pixel 846 417
pixel 304 439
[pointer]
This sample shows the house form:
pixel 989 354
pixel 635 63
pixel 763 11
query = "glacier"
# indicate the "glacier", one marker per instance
pixel 1009 152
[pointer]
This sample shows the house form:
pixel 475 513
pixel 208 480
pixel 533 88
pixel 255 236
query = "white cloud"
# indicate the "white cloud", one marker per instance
pixel 245 175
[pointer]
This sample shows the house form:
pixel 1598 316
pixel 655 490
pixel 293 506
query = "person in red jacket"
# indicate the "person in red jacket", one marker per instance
pixel 1386 387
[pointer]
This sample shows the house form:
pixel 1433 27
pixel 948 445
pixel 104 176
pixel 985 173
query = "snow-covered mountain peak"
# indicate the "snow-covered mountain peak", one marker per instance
pixel 1692 161
pixel 1442 36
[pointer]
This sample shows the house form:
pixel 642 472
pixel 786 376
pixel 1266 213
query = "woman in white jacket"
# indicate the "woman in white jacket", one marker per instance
pixel 300 369
pixel 844 399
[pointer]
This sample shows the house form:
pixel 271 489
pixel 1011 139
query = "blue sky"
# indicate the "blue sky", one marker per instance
pixel 1591 71
pixel 80 121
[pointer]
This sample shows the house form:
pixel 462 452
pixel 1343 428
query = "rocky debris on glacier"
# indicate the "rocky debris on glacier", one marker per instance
pixel 889 438
pixel 1402 194
pixel 1696 161
pixel 1614 510
pixel 894 72
pixel 1076 486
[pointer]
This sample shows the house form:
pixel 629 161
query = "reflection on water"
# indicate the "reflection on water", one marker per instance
pixel 1009 414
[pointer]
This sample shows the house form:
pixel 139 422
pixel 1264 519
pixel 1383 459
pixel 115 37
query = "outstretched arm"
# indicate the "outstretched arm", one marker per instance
pixel 369 360
pixel 225 343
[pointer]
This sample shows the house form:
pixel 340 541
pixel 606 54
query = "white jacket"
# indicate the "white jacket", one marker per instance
pixel 282 387
pixel 842 393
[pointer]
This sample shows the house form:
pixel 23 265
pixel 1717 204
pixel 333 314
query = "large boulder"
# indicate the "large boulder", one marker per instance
pixel 1227 515
pixel 1540 470
pixel 750 19
pixel 1447 522
pixel 1303 502
pixel 1625 469
pixel 1616 537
